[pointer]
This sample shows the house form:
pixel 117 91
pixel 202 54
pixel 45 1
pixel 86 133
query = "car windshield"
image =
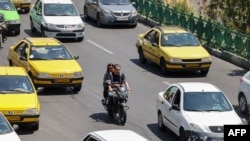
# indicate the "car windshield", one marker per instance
pixel 206 101
pixel 115 2
pixel 60 10
pixel 6 5
pixel 4 126
pixel 15 84
pixel 49 53
pixel 179 39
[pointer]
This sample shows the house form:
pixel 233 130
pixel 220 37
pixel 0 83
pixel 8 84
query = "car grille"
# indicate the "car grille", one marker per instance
pixel 66 26
pixel 217 129
pixel 121 14
pixel 191 60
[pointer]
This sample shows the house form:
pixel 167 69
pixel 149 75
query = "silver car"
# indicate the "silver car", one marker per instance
pixel 111 12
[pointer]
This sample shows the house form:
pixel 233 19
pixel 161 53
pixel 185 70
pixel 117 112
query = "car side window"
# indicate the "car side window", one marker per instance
pixel 150 36
pixel 37 4
pixel 20 48
pixel 177 98
pixel 169 93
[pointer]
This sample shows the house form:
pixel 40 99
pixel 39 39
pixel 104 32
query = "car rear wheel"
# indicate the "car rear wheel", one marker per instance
pixel 161 125
pixel 32 28
pixel 243 104
pixel 142 58
pixel 98 21
pixel 86 16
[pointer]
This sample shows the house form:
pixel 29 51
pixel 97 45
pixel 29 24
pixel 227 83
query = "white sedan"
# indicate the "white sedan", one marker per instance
pixel 195 110
pixel 244 93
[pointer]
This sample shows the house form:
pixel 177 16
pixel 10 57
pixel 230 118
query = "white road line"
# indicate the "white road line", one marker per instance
pixel 99 46
pixel 165 82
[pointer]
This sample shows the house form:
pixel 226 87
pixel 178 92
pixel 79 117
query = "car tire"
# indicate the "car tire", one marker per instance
pixel 243 106
pixel 77 89
pixel 183 135
pixel 161 125
pixel 85 12
pixel 142 58
pixel 17 32
pixel 35 127
pixel 42 32
pixel 32 28
pixel 80 39
pixel 98 20
pixel 10 63
pixel 163 67
pixel 204 72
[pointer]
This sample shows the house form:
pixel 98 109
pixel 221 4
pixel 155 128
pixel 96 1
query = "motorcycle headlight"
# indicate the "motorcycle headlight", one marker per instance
pixel 43 75
pixel 175 60
pixel 50 26
pixel 31 111
pixel 77 74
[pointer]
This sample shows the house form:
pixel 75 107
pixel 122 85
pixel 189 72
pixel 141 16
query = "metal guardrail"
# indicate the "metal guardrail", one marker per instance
pixel 213 34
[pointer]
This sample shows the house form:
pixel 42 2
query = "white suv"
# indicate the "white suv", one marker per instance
pixel 56 18
pixel 244 93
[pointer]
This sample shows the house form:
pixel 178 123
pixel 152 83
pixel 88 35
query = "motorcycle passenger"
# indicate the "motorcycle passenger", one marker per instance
pixel 107 75
pixel 117 78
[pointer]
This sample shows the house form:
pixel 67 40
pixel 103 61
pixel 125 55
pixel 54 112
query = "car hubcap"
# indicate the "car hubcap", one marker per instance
pixel 242 104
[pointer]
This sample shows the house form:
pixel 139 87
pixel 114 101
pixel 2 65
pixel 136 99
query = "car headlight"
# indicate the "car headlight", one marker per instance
pixel 80 26
pixel 77 74
pixel 31 111
pixel 175 60
pixel 43 75
pixel 50 26
pixel 106 12
pixel 195 127
pixel 206 59
pixel 134 13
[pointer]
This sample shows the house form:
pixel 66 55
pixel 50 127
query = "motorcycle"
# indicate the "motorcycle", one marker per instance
pixel 116 104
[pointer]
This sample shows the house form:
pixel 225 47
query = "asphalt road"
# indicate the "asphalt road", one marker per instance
pixel 66 116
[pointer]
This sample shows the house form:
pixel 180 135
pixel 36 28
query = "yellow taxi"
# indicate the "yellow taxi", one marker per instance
pixel 18 98
pixel 22 5
pixel 173 48
pixel 48 62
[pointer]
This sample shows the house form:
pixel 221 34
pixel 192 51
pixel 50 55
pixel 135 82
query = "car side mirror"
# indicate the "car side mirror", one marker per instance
pixel 175 107
pixel 76 57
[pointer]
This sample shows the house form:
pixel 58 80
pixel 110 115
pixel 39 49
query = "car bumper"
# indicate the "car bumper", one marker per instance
pixel 202 136
pixel 56 82
pixel 111 20
pixel 188 66
pixel 15 119
pixel 76 34
pixel 22 5
pixel 14 27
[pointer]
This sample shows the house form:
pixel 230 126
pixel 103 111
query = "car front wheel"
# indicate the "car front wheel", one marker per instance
pixel 161 125
pixel 243 104
pixel 142 58
pixel 163 67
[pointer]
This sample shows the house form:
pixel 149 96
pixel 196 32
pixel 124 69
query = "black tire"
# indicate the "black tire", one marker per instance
pixel 42 32
pixel 98 21
pixel 17 32
pixel 122 117
pixel 163 67
pixel 133 26
pixel 80 39
pixel 182 136
pixel 10 63
pixel 204 72
pixel 32 28
pixel 35 127
pixel 161 125
pixel 142 58
pixel 243 106
pixel 86 16
pixel 77 89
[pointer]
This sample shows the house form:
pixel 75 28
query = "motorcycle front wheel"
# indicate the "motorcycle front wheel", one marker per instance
pixel 122 117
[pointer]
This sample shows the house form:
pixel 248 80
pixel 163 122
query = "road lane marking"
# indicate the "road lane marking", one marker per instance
pixel 100 47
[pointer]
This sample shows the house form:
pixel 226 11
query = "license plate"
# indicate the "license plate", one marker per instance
pixel 66 31
pixel 62 80
pixel 122 19
pixel 13 118
pixel 192 65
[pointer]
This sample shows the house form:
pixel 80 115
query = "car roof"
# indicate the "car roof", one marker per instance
pixel 121 135
pixel 172 29
pixel 43 41
pixel 57 1
pixel 7 70
pixel 199 87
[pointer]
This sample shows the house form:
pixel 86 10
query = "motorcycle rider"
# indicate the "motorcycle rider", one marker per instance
pixel 116 79
pixel 107 75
